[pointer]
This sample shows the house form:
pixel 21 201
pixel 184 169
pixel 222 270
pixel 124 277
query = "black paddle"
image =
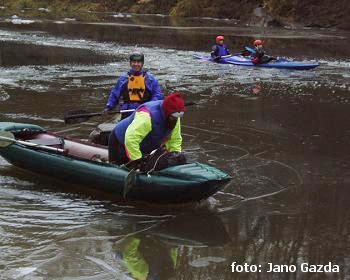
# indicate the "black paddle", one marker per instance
pixel 78 116
pixel 129 181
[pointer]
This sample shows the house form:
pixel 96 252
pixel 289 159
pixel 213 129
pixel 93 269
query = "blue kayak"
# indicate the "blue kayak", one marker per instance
pixel 246 61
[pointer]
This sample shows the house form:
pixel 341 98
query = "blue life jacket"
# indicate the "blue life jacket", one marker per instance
pixel 159 127
pixel 221 50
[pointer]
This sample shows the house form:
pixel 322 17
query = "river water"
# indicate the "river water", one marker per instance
pixel 283 135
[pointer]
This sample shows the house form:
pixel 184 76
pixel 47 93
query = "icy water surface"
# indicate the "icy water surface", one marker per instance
pixel 283 136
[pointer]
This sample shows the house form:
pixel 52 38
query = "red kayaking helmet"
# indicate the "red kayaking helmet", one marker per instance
pixel 219 38
pixel 258 42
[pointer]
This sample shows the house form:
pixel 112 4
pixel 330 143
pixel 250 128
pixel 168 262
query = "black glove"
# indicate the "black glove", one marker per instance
pixel 135 164
pixel 217 59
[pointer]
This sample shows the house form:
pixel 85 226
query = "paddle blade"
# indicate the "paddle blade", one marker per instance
pixel 76 116
pixel 6 139
pixel 129 182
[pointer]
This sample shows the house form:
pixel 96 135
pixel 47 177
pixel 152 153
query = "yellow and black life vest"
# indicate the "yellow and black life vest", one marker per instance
pixel 136 90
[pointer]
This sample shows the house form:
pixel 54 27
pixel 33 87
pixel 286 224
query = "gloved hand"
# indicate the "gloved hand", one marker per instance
pixel 104 114
pixel 135 164
pixel 217 58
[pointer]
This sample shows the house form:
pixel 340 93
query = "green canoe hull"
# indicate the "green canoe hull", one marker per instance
pixel 177 184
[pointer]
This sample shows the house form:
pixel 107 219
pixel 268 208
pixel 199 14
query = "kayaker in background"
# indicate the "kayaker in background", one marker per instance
pixel 135 87
pixel 258 55
pixel 153 125
pixel 219 49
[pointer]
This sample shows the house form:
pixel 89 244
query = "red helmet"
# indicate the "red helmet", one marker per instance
pixel 258 42
pixel 220 38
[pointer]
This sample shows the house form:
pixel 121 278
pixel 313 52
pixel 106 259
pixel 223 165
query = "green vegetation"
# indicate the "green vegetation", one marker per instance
pixel 220 8
pixel 320 13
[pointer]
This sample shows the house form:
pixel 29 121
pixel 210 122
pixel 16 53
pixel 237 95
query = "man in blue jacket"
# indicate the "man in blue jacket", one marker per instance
pixel 151 126
pixel 219 49
pixel 135 87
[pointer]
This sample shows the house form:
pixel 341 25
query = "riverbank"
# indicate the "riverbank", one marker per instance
pixel 318 13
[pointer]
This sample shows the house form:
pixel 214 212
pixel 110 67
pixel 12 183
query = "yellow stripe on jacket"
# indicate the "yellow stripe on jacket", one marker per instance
pixel 140 127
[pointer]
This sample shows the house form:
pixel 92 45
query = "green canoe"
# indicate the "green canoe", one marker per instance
pixel 86 164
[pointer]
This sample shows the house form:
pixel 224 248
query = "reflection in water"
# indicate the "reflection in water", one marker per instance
pixel 157 252
pixel 144 262
pixel 257 88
